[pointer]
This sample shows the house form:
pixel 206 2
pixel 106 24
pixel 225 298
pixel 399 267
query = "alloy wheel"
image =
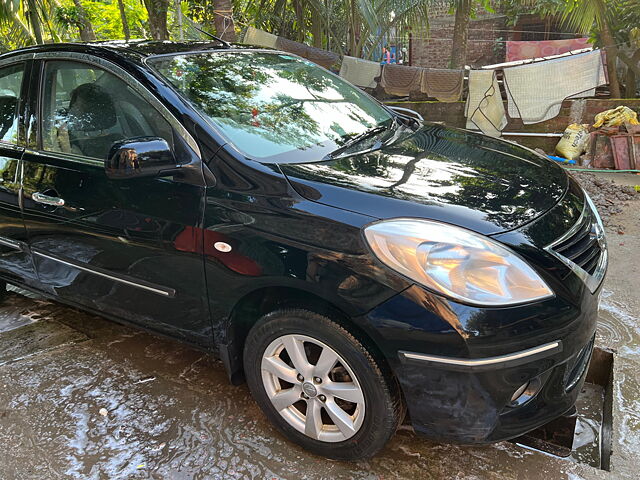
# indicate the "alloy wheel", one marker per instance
pixel 313 388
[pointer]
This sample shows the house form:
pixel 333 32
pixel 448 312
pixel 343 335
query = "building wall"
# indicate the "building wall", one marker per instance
pixel 572 111
pixel 433 48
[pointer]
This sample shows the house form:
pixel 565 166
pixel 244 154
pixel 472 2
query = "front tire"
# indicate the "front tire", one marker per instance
pixel 319 385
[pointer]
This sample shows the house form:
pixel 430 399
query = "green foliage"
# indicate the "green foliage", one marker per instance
pixel 25 22
pixel 514 9
pixel 105 18
pixel 625 22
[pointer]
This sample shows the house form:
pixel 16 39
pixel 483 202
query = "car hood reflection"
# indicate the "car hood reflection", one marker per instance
pixel 439 173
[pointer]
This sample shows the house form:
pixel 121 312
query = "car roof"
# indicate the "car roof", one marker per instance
pixel 141 48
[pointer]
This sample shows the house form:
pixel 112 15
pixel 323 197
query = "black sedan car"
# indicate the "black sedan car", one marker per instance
pixel 351 262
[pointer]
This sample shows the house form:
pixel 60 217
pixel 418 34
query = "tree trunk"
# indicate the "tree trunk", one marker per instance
pixel 125 22
pixel 633 72
pixel 612 56
pixel 316 28
pixel 223 20
pixel 299 11
pixel 34 21
pixel 180 19
pixel 352 45
pixel 86 29
pixel 630 89
pixel 157 10
pixel 460 34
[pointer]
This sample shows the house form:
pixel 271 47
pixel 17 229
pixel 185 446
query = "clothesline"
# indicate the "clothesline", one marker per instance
pixel 506 30
pixel 535 89
pixel 492 41
pixel 244 24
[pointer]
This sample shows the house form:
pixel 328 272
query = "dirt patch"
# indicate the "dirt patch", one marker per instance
pixel 610 197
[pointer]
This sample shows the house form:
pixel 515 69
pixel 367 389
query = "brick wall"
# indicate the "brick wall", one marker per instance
pixel 573 111
pixel 433 48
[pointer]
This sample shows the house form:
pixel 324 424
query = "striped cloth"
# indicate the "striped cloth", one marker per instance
pixel 253 36
pixel 442 84
pixel 535 91
pixel 324 58
pixel 362 73
pixel 290 46
pixel 484 109
pixel 401 80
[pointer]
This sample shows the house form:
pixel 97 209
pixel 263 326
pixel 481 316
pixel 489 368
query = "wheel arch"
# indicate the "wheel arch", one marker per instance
pixel 252 306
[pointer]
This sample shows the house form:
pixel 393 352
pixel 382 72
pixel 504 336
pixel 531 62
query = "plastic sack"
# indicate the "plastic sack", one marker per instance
pixel 574 141
pixel 616 117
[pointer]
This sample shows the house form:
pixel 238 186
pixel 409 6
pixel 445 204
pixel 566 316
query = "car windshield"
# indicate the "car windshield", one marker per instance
pixel 273 104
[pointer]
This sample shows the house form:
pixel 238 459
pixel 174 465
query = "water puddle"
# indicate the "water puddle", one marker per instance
pixel 18 311
pixel 618 328
pixel 587 435
pixel 132 405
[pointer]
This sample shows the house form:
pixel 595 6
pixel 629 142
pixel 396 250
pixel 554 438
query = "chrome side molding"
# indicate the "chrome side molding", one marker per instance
pixel 7 242
pixel 159 290
pixel 511 359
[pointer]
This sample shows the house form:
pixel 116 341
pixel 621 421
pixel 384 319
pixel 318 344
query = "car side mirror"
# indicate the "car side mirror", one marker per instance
pixel 140 157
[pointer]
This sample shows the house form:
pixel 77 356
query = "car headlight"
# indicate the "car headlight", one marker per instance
pixel 455 262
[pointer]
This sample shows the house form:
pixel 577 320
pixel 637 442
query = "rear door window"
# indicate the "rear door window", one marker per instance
pixel 10 84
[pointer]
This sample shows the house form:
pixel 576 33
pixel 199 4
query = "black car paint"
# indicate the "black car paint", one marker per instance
pixel 295 233
pixel 449 175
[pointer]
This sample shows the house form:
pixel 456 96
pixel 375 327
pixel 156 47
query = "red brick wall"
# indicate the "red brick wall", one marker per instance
pixel 573 111
pixel 433 48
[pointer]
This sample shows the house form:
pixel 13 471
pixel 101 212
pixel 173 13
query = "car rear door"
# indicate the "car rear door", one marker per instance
pixel 15 260
pixel 114 246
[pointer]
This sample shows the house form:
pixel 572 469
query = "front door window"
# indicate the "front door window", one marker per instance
pixel 86 110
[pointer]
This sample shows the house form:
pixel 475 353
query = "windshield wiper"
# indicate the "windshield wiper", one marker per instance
pixel 357 139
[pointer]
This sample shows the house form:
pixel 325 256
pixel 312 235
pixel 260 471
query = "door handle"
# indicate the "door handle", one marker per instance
pixel 47 200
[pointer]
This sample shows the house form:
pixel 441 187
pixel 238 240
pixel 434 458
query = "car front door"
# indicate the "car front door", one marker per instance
pixel 15 260
pixel 114 246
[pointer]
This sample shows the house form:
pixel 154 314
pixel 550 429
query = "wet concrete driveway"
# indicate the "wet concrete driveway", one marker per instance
pixel 81 397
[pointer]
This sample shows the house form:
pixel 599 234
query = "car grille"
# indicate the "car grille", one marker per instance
pixel 581 246
pixel 583 249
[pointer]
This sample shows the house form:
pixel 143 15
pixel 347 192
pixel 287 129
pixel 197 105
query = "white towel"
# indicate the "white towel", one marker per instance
pixel 360 72
pixel 254 36
pixel 535 91
pixel 484 108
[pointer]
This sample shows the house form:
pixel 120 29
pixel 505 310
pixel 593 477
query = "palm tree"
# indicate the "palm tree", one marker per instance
pixel 345 26
pixel 84 24
pixel 460 33
pixel 27 20
pixel 158 11
pixel 223 20
pixel 125 23
pixel 586 15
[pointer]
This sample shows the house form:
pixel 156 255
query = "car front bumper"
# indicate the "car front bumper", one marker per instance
pixel 459 389
pixel 473 403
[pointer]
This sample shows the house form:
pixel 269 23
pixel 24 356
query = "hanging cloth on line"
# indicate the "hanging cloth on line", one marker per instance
pixel 324 58
pixel 442 84
pixel 484 108
pixel 290 46
pixel 535 91
pixel 362 73
pixel 525 50
pixel 401 80
pixel 254 36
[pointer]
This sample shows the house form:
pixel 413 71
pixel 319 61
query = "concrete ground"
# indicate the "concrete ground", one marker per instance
pixel 81 397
